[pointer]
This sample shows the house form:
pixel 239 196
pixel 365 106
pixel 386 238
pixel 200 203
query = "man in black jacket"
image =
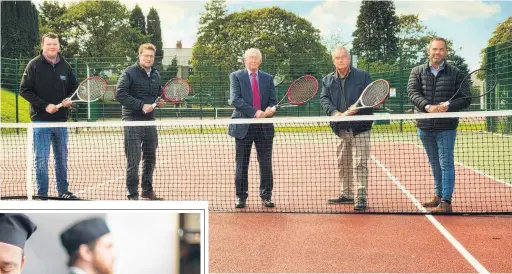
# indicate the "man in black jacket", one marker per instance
pixel 429 86
pixel 340 91
pixel 47 81
pixel 137 89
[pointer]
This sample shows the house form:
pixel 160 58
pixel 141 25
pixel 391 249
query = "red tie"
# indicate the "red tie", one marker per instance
pixel 255 92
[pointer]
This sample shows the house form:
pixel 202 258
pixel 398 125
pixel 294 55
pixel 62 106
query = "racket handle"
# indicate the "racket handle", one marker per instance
pixel 154 104
pixel 274 108
pixel 59 105
pixel 447 103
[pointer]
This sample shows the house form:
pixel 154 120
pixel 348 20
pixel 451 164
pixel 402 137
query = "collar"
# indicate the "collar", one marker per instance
pixel 77 270
pixel 249 73
pixel 336 76
pixel 441 66
pixel 143 69
pixel 57 59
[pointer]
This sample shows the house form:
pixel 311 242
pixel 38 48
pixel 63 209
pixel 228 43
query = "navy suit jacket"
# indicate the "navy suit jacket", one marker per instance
pixel 241 99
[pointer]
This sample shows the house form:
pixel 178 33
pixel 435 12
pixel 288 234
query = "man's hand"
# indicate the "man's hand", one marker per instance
pixel 161 103
pixel 350 111
pixel 51 108
pixel 269 112
pixel 442 107
pixel 147 108
pixel 66 102
pixel 260 114
pixel 437 108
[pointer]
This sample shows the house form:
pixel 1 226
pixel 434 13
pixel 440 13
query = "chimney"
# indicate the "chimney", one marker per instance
pixel 178 44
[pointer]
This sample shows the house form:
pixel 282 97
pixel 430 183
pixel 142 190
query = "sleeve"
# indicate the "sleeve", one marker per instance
pixel 326 101
pixel 413 91
pixel 27 87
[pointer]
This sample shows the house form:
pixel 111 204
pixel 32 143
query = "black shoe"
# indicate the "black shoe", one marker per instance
pixel 240 203
pixel 267 202
pixel 68 195
pixel 342 199
pixel 134 198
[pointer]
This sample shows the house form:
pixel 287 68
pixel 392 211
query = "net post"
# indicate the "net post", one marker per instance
pixel 88 96
pixel 29 154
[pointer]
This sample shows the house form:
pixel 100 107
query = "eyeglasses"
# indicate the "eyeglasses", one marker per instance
pixel 148 56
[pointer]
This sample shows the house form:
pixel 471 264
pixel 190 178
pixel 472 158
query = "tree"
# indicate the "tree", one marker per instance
pixel 20 29
pixel 50 19
pixel 289 44
pixel 413 37
pixel 502 34
pixel 375 36
pixel 211 21
pixel 155 31
pixel 334 39
pixel 137 19
pixel 101 29
pixel 173 67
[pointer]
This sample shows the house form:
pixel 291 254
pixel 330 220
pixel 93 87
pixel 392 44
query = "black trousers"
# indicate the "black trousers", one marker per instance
pixel 140 141
pixel 264 153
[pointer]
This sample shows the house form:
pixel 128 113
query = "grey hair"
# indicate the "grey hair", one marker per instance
pixel 338 48
pixel 437 39
pixel 252 50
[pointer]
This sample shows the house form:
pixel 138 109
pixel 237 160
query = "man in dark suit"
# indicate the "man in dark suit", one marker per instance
pixel 252 91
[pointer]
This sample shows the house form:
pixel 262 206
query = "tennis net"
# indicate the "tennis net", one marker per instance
pixel 195 160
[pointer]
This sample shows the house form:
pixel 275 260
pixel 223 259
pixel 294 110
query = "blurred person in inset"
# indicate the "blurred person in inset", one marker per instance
pixel 90 247
pixel 15 230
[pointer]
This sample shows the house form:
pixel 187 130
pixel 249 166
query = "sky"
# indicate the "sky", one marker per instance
pixel 469 24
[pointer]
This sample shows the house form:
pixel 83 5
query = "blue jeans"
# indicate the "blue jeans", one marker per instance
pixel 439 145
pixel 58 138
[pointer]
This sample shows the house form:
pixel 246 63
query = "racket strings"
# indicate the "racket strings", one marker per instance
pixel 375 94
pixel 176 90
pixel 303 90
pixel 91 89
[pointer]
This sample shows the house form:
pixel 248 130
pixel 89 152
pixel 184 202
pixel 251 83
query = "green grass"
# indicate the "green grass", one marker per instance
pixel 8 114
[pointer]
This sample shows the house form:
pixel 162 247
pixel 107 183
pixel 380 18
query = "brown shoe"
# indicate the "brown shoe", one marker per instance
pixel 433 203
pixel 443 207
pixel 149 196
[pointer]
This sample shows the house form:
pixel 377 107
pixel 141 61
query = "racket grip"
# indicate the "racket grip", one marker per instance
pixel 59 105
pixel 154 105
pixel 447 103
pixel 274 108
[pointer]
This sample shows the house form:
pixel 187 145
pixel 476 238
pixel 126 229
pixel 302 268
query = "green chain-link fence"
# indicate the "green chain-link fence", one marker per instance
pixel 210 85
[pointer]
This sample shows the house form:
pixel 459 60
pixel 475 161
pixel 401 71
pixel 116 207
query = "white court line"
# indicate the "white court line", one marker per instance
pixel 474 170
pixel 460 248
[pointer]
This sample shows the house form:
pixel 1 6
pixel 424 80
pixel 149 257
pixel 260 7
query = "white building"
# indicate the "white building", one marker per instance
pixel 184 56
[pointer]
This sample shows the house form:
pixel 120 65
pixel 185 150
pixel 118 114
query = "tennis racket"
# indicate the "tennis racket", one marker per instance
pixel 175 90
pixel 373 95
pixel 489 83
pixel 89 90
pixel 300 92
